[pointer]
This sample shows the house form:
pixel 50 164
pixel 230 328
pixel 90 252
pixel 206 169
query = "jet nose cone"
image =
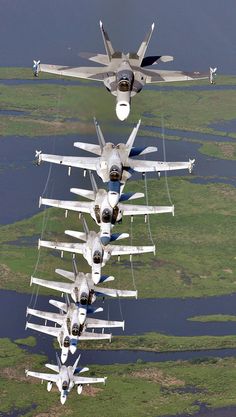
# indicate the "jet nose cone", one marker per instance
pixel 105 239
pixel 113 198
pixel 122 110
pixel 82 315
pixel 63 399
pixel 96 277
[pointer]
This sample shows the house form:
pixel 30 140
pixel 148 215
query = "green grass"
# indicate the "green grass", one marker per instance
pixel 141 389
pixel 213 318
pixel 27 341
pixel 55 104
pixel 157 342
pixel 195 249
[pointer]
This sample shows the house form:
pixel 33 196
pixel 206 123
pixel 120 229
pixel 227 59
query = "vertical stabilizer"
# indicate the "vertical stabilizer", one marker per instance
pixel 133 135
pixel 144 45
pixel 93 182
pixel 58 361
pixel 85 226
pixel 75 269
pixel 107 43
pixel 76 364
pixel 100 136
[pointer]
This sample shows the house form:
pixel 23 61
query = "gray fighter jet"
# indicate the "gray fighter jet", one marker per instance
pixel 82 289
pixel 69 332
pixel 95 253
pixel 114 163
pixel 124 74
pixel 100 209
pixel 66 377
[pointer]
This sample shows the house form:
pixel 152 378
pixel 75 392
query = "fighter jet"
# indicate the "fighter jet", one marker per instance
pixel 114 163
pixel 69 333
pixel 82 289
pixel 92 250
pixel 100 209
pixel 124 74
pixel 66 377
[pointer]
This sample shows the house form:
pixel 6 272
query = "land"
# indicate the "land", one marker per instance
pixel 185 265
pixel 213 318
pixel 65 107
pixel 150 389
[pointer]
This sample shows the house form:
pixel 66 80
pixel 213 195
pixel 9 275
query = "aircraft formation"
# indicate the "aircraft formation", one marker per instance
pixel 73 320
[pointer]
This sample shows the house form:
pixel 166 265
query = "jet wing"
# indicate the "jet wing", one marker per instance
pixel 99 58
pixel 158 166
pixel 130 250
pixel 134 209
pixel 92 336
pixel 89 147
pixel 110 292
pixel 58 286
pixel 81 206
pixel 158 76
pixel 71 161
pixel 41 375
pixel 46 315
pixel 63 246
pixel 88 73
pixel 79 380
pixel 52 331
pixel 97 323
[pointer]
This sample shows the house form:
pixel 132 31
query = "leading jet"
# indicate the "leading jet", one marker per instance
pixel 65 377
pixel 114 163
pixel 124 74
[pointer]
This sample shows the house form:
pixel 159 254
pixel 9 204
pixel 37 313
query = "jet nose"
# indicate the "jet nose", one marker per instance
pixel 96 277
pixel 113 198
pixel 82 315
pixel 122 110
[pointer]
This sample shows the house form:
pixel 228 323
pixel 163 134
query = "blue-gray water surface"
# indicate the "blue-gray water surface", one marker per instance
pixel 22 182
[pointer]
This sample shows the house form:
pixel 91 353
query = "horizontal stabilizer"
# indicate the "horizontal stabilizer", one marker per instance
pixel 93 310
pixel 118 236
pixel 77 235
pixel 142 150
pixel 130 196
pixel 59 304
pixel 54 368
pixel 106 278
pixel 88 147
pixel 83 193
pixel 67 274
pixel 98 58
pixel 150 60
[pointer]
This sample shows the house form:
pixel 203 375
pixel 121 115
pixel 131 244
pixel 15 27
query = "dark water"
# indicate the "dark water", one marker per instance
pixel 225 126
pixel 204 411
pixel 22 183
pixel 164 315
pixel 57 31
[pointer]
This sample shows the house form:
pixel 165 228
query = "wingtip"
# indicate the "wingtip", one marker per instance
pixel 100 24
pixel 153 25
